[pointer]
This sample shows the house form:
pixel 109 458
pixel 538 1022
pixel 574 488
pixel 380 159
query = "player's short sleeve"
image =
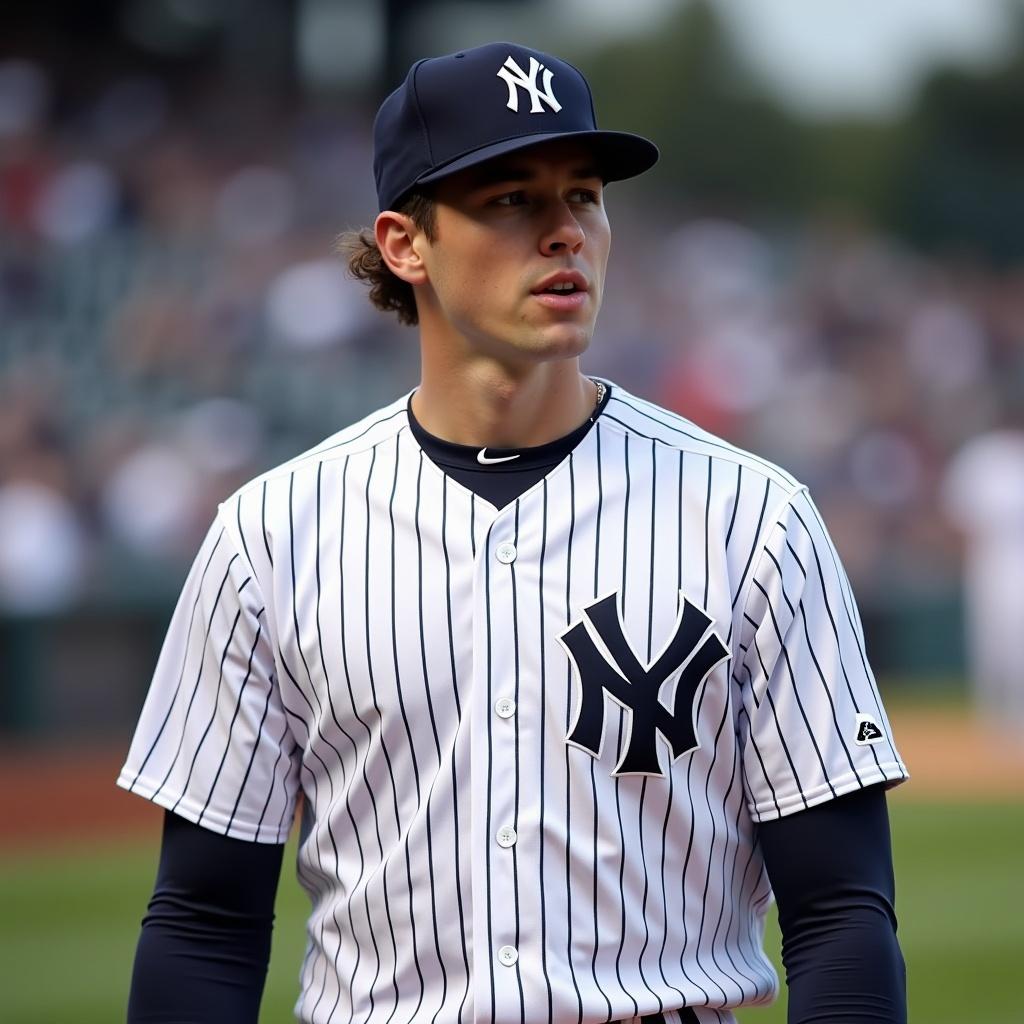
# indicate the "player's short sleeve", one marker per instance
pixel 811 723
pixel 213 742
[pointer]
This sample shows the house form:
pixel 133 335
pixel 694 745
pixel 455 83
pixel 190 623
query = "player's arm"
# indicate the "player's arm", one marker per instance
pixel 831 871
pixel 213 746
pixel 818 755
pixel 203 951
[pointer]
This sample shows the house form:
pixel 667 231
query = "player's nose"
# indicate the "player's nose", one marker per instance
pixel 563 232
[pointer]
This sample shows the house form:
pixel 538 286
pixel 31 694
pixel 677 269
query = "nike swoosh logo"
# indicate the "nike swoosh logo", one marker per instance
pixel 485 460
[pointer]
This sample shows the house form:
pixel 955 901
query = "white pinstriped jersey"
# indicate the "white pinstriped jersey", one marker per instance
pixel 362 628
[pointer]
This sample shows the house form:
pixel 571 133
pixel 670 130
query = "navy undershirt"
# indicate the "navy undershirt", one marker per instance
pixel 205 942
pixel 501 482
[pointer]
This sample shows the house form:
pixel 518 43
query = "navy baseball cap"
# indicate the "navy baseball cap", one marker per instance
pixel 456 111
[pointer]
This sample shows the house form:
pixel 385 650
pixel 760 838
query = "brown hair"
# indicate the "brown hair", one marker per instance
pixel 365 263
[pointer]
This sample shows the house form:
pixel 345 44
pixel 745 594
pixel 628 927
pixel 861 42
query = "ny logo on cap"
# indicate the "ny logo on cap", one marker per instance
pixel 606 665
pixel 516 78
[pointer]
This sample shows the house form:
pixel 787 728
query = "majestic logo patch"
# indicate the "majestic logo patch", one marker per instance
pixel 868 731
pixel 606 665
pixel 516 78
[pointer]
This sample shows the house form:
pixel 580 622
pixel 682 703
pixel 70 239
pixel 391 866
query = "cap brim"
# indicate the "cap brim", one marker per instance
pixel 619 155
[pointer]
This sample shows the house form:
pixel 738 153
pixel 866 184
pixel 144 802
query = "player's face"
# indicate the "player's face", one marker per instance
pixel 517 266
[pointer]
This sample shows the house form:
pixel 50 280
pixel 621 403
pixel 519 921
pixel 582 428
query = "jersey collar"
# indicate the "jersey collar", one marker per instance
pixel 449 455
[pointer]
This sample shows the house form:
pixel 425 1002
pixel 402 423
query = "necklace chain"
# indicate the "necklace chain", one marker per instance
pixel 601 389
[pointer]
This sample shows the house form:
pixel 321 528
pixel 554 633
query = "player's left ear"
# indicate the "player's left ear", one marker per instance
pixel 397 237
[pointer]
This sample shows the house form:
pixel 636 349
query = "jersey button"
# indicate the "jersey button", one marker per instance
pixel 505 553
pixel 506 837
pixel 505 707
pixel 508 955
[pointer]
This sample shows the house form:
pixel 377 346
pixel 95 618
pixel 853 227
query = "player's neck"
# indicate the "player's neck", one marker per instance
pixel 486 404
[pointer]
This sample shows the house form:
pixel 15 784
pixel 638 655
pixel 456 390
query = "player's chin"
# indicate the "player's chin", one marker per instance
pixel 562 340
pixel 563 335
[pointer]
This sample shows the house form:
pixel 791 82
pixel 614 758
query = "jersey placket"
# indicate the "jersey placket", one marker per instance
pixel 497 929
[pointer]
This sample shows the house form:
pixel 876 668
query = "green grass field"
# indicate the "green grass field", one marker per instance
pixel 68 924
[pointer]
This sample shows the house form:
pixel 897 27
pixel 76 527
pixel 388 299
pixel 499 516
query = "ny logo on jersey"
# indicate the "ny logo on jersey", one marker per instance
pixel 606 664
pixel 516 78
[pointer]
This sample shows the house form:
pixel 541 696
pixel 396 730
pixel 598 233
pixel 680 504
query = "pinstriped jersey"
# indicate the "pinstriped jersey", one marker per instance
pixel 533 743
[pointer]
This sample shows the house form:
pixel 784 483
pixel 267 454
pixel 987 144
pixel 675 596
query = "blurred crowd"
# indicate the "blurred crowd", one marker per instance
pixel 173 321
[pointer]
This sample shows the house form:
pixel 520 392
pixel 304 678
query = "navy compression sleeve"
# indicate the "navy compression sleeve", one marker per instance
pixel 205 943
pixel 831 870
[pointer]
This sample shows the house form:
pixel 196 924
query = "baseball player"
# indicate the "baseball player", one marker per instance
pixel 567 685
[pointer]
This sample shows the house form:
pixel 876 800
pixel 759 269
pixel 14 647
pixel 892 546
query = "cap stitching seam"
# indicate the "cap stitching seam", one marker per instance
pixel 419 111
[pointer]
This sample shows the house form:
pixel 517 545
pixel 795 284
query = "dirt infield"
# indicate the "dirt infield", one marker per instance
pixel 952 755
pixel 57 796
pixel 54 796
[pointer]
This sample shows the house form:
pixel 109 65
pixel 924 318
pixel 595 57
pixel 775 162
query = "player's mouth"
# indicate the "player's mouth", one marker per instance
pixel 564 291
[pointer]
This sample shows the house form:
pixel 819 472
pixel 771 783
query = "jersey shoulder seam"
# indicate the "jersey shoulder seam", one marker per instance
pixel 761 547
pixel 687 436
pixel 336 446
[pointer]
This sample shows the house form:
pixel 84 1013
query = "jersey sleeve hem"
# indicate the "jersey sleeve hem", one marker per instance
pixel 890 772
pixel 191 810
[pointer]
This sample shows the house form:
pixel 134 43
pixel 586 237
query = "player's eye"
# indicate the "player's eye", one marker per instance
pixel 510 199
pixel 585 195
